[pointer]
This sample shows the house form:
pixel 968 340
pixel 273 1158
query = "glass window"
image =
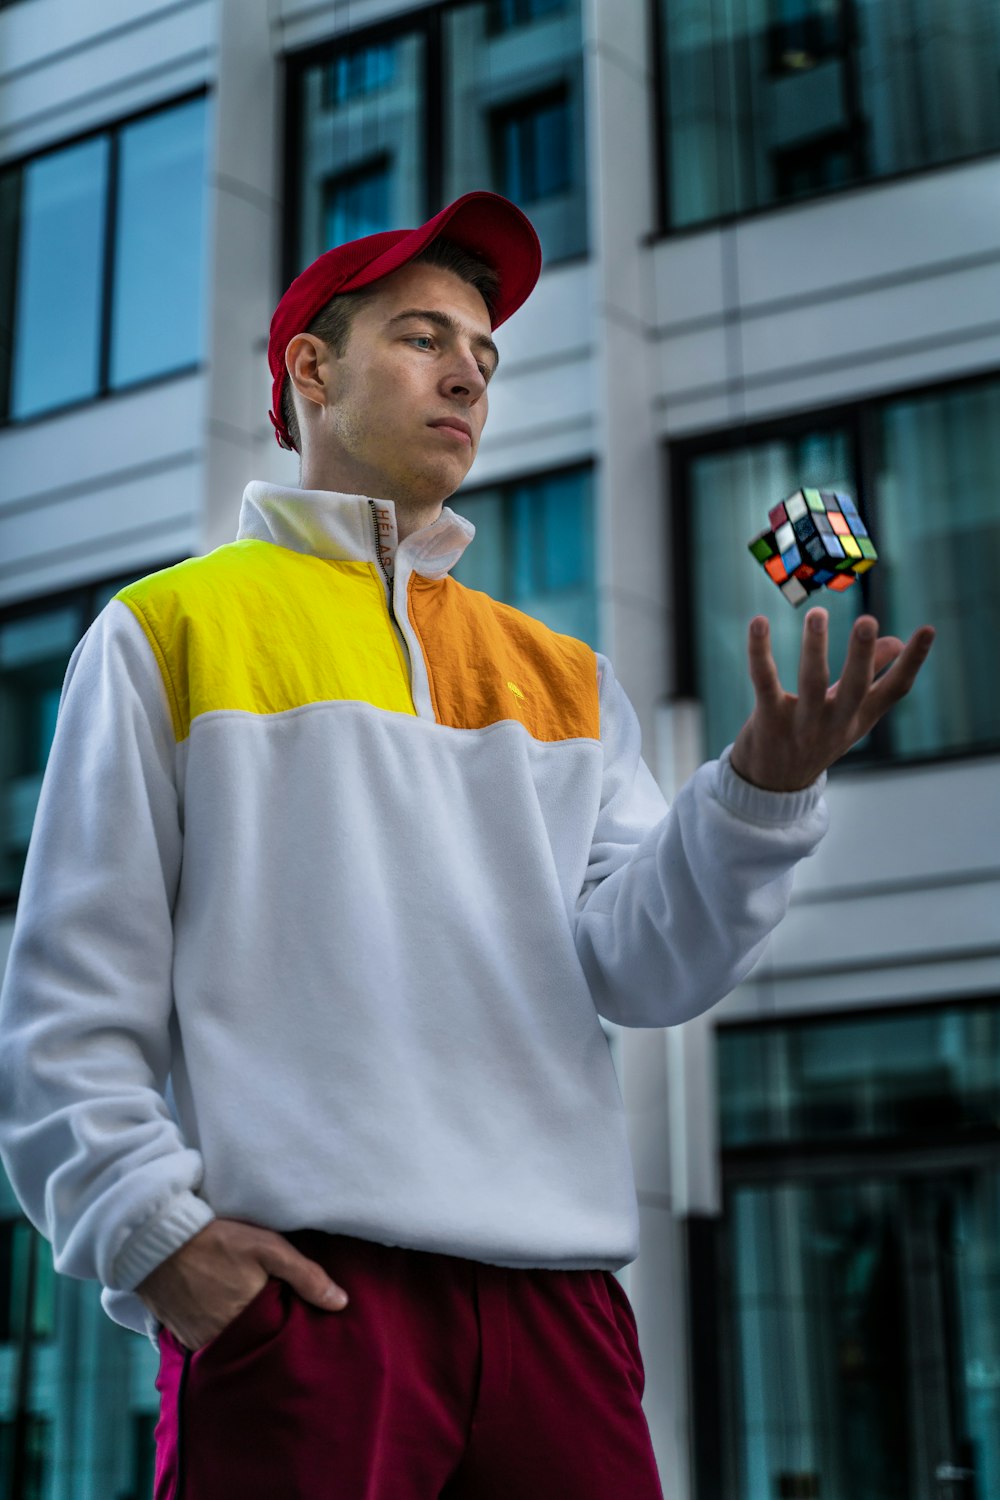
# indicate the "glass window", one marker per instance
pixel 772 100
pixel 514 115
pixel 38 1457
pixel 144 1453
pixel 930 1072
pixel 115 314
pixel 158 305
pixel 534 549
pixel 842 1272
pixel 531 148
pixel 939 516
pixel 361 71
pixel 19 1242
pixel 730 495
pixel 35 647
pixel 386 129
pixel 60 274
pixel 932 509
pixel 359 119
pixel 34 652
pixel 505 14
pixel 357 203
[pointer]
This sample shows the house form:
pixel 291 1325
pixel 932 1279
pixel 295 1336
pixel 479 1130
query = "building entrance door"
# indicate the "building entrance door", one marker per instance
pixel 864 1325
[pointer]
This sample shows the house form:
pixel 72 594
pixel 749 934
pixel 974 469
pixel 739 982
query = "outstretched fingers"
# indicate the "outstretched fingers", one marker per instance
pixel 859 667
pixel 814 672
pixel 763 672
pixel 897 681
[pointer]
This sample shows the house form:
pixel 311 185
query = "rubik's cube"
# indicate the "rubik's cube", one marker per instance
pixel 817 540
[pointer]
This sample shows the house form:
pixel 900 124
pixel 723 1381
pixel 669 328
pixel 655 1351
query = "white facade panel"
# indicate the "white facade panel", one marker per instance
pixel 883 233
pixel 114 69
pixel 915 317
pixel 688 280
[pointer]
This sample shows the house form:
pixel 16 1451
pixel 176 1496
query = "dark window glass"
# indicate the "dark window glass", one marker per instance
pixel 855 1266
pixel 115 315
pixel 939 517
pixel 935 522
pixel 34 652
pixel 384 131
pixel 10 213
pixel 159 245
pixel 359 121
pixel 144 1454
pixel 531 146
pixel 35 647
pixel 19 1240
pixel 361 71
pixel 930 1072
pixel 514 120
pixel 358 203
pixel 38 1457
pixel 534 549
pixel 773 100
pixel 57 329
pixel 730 496
pixel 506 14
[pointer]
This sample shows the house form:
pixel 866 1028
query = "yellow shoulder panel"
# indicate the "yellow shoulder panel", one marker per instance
pixel 261 629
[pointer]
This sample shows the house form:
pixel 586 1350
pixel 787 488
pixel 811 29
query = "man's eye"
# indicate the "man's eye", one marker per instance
pixel 422 338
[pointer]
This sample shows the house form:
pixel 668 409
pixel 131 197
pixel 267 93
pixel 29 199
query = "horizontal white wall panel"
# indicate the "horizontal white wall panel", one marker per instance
pixel 882 231
pixel 118 65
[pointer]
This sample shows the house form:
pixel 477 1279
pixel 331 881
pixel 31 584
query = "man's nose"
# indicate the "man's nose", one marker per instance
pixel 467 378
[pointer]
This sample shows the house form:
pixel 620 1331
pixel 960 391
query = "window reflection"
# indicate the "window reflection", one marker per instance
pixel 935 522
pixel 534 549
pixel 514 121
pixel 773 100
pixel 929 1071
pixel 57 332
pixel 378 147
pixel 159 245
pixel 87 317
pixel 363 164
pixel 730 496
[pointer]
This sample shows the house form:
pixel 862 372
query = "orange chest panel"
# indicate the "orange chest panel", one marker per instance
pixel 487 662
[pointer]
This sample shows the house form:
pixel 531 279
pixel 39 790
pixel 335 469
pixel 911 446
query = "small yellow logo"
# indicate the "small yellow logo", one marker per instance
pixel 515 690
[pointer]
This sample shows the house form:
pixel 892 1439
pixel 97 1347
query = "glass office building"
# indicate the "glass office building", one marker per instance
pixel 771 260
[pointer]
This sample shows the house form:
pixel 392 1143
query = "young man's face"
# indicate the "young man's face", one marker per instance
pixel 406 402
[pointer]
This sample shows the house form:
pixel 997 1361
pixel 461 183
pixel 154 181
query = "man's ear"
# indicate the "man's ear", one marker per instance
pixel 310 365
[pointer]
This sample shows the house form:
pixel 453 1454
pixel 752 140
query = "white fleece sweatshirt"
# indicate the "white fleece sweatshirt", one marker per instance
pixel 335 864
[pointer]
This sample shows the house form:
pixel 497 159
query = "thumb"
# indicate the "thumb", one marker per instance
pixel 306 1276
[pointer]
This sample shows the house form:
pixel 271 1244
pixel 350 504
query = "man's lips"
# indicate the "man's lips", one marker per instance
pixel 454 427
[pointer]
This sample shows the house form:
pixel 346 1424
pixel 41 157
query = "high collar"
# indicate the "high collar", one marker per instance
pixel 326 523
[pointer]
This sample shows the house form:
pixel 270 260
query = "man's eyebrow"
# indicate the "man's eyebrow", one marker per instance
pixel 450 324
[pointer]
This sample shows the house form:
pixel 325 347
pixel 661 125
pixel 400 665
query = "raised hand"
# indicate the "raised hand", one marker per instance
pixel 789 739
pixel 208 1282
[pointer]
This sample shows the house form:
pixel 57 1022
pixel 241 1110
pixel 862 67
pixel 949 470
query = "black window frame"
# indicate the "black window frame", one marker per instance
pixel 16 166
pixel 663 229
pixel 426 21
pixel 859 418
pixel 83 596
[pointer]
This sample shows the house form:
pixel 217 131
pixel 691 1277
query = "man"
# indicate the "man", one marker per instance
pixel 335 865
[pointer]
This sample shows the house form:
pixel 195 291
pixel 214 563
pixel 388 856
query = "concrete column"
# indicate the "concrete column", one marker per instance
pixel 246 217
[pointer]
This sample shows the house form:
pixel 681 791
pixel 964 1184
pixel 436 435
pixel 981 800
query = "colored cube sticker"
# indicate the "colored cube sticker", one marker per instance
pixel 816 540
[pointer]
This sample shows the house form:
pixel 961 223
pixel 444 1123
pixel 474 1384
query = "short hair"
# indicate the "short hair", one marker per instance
pixel 333 322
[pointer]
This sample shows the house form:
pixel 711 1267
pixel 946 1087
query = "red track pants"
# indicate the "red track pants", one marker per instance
pixel 442 1379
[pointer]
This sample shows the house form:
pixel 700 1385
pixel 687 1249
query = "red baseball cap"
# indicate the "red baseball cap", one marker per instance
pixel 485 224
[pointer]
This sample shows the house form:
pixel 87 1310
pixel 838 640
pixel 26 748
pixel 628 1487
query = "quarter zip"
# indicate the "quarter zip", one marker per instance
pixel 389 594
